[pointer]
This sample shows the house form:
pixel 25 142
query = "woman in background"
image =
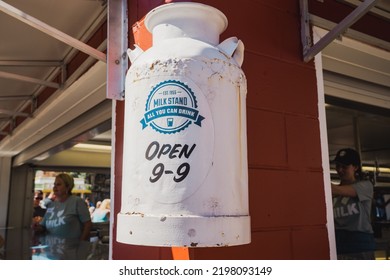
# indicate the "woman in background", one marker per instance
pixel 67 216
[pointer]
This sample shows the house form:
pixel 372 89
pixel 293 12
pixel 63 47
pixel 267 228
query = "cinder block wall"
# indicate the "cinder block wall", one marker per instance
pixel 286 188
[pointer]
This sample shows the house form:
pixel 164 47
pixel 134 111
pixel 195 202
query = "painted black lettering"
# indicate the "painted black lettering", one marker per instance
pixel 187 152
pixel 164 150
pixel 154 145
pixel 174 151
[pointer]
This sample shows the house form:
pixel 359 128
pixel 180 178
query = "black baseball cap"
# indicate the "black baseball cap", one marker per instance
pixel 347 156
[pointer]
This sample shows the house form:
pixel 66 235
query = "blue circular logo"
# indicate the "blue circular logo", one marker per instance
pixel 171 107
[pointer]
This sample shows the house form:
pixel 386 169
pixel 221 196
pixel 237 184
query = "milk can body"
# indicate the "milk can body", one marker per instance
pixel 185 180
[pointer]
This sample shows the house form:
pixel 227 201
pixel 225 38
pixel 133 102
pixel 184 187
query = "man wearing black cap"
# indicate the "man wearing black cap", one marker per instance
pixel 352 200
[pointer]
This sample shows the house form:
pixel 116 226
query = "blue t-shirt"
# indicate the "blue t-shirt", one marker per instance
pixel 354 213
pixel 66 219
pixel 354 234
pixel 100 216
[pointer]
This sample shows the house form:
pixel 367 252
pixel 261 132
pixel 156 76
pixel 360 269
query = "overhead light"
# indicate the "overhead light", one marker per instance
pixel 376 169
pixel 368 169
pixel 91 147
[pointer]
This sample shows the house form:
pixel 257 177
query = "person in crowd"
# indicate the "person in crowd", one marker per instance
pixel 102 214
pixel 89 202
pixel 38 211
pixel 90 205
pixel 352 199
pixel 67 215
pixel 98 204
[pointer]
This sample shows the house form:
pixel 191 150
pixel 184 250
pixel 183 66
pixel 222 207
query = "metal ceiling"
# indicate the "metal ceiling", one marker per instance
pixel 310 50
pixel 38 40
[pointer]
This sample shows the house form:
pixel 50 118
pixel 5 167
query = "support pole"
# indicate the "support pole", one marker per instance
pixel 117 46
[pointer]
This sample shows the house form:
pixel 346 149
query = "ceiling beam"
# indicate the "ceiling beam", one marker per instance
pixel 22 78
pixel 14 114
pixel 15 97
pixel 51 31
pixel 61 108
pixel 31 63
pixel 309 50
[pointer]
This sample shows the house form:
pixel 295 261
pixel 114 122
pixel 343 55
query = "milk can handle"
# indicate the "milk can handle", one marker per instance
pixel 233 48
pixel 135 53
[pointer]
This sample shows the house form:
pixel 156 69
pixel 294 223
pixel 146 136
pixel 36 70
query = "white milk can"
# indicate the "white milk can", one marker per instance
pixel 185 173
